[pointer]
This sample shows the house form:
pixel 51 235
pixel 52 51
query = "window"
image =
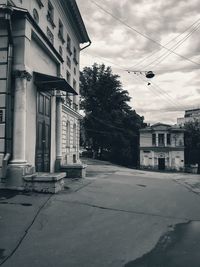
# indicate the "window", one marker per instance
pixel 74 84
pixel 161 140
pixel 75 56
pixel 74 135
pixel 75 106
pixel 60 50
pixel 50 14
pixel 35 15
pixel 68 77
pixel 40 3
pixel 68 134
pixel 74 71
pixel 50 35
pixel 68 62
pixel 153 139
pixel 168 139
pixel 60 31
pixel 69 44
pixel 1 116
pixel 68 100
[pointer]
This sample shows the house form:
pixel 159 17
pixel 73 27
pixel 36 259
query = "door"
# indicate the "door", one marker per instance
pixel 161 163
pixel 43 133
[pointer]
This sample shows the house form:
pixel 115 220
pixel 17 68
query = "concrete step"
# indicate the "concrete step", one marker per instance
pixel 44 182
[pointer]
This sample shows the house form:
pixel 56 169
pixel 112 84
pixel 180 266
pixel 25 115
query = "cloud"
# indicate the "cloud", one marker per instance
pixel 116 45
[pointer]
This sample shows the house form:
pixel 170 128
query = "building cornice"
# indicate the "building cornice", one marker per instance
pixel 72 112
pixel 24 13
pixel 162 149
pixel 72 11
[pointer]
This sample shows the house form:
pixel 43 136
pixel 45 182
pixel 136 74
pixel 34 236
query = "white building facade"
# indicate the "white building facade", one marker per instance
pixel 191 115
pixel 162 147
pixel 40 44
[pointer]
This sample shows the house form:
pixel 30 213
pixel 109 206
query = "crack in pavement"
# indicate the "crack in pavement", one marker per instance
pixel 127 211
pixel 26 231
pixel 187 186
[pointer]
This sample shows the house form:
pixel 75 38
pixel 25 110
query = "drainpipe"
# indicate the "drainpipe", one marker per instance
pixel 86 46
pixel 8 128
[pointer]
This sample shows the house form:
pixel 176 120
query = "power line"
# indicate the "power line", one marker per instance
pixel 175 46
pixel 176 37
pixel 158 91
pixel 161 93
pixel 142 34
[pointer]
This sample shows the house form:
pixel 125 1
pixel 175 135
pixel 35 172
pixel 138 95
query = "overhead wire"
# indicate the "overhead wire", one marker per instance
pixel 159 93
pixel 142 34
pixel 170 41
pixel 174 47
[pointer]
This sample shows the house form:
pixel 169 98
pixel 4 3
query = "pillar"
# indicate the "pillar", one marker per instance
pixel 156 139
pixel 18 166
pixel 165 139
pixel 59 102
pixel 19 122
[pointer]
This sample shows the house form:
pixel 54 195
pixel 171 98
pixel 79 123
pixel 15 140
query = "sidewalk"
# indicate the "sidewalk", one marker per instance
pixel 20 211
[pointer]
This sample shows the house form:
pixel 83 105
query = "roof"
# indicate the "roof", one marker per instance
pixel 47 82
pixel 72 10
pixel 162 127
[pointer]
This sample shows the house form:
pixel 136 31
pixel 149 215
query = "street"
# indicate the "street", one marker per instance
pixel 114 217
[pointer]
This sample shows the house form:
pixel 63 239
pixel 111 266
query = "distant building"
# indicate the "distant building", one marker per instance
pixel 40 43
pixel 190 116
pixel 162 147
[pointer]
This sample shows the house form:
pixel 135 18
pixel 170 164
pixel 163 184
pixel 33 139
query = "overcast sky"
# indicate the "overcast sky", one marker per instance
pixel 175 25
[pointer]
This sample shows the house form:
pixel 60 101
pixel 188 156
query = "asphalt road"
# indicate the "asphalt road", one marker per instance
pixel 115 217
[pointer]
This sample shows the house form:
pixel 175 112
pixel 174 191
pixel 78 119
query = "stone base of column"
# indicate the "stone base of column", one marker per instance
pixel 57 165
pixel 15 174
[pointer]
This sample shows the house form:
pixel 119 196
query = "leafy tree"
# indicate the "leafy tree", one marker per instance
pixel 111 126
pixel 192 143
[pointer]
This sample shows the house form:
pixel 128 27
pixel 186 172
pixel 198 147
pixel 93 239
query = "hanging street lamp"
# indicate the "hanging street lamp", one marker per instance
pixel 148 74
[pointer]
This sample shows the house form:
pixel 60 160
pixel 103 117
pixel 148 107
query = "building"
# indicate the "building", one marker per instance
pixel 40 43
pixel 190 116
pixel 162 147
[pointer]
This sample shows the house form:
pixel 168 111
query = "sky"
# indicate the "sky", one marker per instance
pixel 126 35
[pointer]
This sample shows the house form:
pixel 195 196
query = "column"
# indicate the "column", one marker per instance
pixel 165 139
pixel 19 123
pixel 156 139
pixel 59 102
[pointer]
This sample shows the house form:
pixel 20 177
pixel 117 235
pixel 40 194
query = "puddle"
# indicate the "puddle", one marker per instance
pixel 26 204
pixel 177 248
pixel 141 185
pixel 8 194
pixel 11 203
pixel 2 256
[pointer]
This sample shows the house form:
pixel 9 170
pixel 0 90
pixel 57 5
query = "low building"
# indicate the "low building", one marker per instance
pixel 190 116
pixel 40 43
pixel 162 147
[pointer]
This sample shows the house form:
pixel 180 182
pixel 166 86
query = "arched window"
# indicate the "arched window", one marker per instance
pixel 74 135
pixel 36 15
pixel 68 134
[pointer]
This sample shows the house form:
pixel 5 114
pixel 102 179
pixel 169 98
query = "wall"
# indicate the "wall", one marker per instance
pixel 145 139
pixel 68 149
pixel 173 154
pixel 3 90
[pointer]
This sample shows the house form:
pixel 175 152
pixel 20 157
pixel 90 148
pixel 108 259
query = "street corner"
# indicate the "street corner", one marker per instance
pixel 192 182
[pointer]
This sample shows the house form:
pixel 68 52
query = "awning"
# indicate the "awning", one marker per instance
pixel 47 82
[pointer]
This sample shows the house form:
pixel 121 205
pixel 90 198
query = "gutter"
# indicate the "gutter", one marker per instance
pixel 86 45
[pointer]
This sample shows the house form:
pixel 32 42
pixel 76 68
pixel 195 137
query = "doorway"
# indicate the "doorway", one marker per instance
pixel 161 163
pixel 43 132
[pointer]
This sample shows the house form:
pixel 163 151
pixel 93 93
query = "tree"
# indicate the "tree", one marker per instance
pixel 111 126
pixel 192 143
